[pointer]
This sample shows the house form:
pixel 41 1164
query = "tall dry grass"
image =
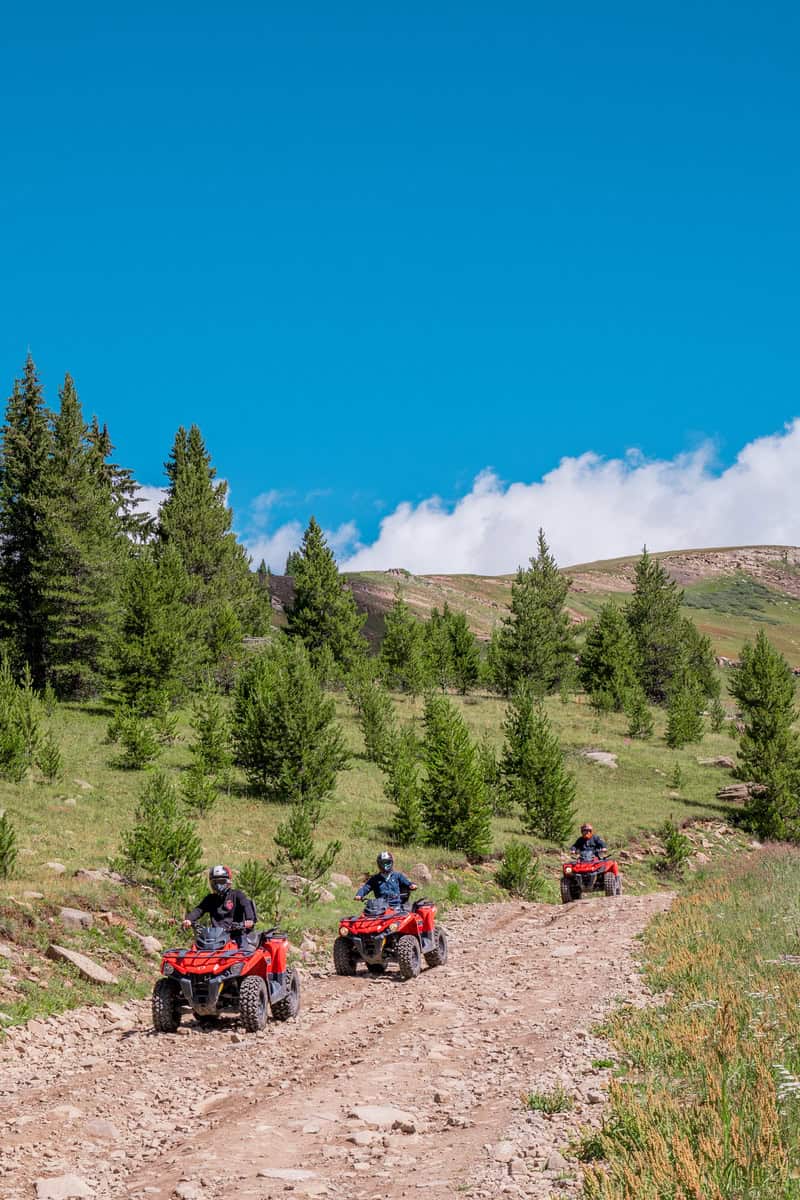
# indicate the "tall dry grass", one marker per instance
pixel 708 1109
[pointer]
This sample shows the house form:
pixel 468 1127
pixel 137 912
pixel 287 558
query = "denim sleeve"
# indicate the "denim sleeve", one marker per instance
pixel 365 887
pixel 403 879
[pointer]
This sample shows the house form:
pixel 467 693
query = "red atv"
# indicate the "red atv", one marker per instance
pixel 388 934
pixel 588 873
pixel 216 975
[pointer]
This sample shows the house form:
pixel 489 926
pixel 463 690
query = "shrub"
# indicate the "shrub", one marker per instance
pixel 164 720
pixel 717 715
pixel 519 872
pixel 20 721
pixel 140 746
pixel 677 849
pixel 49 759
pixel 8 846
pixel 200 789
pixel 557 1100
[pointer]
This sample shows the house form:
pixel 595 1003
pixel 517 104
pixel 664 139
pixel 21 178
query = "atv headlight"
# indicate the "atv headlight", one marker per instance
pixel 168 969
pixel 567 870
pixel 343 931
pixel 393 928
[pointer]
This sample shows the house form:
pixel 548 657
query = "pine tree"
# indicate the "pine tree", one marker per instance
pixel 8 846
pixel 437 646
pixel 24 544
pixel 466 659
pixel 195 520
pixel 640 718
pixel 376 716
pixel 769 748
pixel 536 642
pixel 608 658
pixel 293 560
pixel 684 715
pixel 88 548
pixel 153 653
pixel 285 730
pixel 403 790
pixel 212 745
pixel 162 849
pixel 654 618
pixel 456 808
pixel 532 769
pixel 323 611
pixel 402 657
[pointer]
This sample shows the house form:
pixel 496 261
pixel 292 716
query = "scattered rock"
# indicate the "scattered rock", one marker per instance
pixel 83 964
pixel 75 918
pixel 187 1191
pixel 81 783
pixel 289 1174
pixel 702 858
pixel 556 1162
pixel 325 896
pixel 67 1112
pixel 341 881
pixel 58 869
pixel 754 845
pixel 721 760
pixel 564 951
pixel 504 1152
pixel 422 873
pixel 106 1131
pixel 604 757
pixel 150 945
pixel 381 1116
pixel 308 944
pixel 7 952
pixel 595 1097
pixel 740 791
pixel 62 1187
pixel 33 895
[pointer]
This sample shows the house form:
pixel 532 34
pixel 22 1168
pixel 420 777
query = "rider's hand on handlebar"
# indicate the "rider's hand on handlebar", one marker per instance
pixel 249 924
pixel 186 924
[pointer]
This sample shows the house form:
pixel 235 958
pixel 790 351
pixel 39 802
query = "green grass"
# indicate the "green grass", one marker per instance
pixel 555 1101
pixel 710 1106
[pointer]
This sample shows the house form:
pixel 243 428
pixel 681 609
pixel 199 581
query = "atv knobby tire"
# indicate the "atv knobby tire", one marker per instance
pixel 166 1007
pixel 253 1003
pixel 437 957
pixel 282 1010
pixel 566 892
pixel 343 961
pixel 409 957
pixel 612 884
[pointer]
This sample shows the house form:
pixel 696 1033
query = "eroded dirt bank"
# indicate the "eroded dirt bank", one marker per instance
pixel 210 1113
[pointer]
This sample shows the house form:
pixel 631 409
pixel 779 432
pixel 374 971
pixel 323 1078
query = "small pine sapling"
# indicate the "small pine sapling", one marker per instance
pixel 402 789
pixel 8 846
pixel 49 759
pixel 140 746
pixel 519 872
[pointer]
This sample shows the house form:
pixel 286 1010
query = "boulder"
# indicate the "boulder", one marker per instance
pixel 7 952
pixel 604 757
pixel 556 1162
pixel 33 895
pixel 58 869
pixel 721 760
pixel 84 965
pixel 62 1187
pixel 504 1152
pixel 341 881
pixel 422 873
pixel 81 783
pixel 325 897
pixel 150 945
pixel 75 918
pixel 104 1131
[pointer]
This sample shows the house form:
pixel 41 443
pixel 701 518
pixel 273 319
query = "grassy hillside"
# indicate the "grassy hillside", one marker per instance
pixel 77 823
pixel 729 592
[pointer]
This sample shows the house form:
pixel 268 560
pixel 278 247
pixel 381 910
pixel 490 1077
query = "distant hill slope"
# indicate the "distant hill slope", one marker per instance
pixel 730 593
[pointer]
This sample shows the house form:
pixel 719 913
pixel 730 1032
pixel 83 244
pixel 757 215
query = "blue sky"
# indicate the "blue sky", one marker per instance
pixel 375 252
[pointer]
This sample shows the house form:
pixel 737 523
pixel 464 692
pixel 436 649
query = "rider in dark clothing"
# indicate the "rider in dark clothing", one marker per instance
pixel 224 905
pixel 588 841
pixel 388 883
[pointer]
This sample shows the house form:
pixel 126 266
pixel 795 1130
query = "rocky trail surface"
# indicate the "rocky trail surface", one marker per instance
pixel 379 1089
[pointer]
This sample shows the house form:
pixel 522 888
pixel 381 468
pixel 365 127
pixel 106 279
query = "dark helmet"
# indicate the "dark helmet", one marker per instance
pixel 220 878
pixel 385 862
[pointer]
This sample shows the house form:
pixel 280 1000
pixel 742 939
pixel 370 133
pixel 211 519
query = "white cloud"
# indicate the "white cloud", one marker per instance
pixel 593 508
pixel 150 499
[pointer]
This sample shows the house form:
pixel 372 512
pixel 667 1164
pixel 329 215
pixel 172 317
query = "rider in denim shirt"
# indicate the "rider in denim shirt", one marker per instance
pixel 388 883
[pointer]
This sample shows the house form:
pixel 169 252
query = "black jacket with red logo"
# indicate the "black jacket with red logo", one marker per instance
pixel 229 908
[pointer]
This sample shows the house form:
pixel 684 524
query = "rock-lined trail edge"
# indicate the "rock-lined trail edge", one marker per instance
pixel 380 1089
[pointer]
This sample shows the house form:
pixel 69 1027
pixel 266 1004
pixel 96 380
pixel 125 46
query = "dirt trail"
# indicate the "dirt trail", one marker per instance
pixel 211 1113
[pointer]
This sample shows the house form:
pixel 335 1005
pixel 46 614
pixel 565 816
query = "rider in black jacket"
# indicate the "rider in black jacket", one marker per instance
pixel 225 906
